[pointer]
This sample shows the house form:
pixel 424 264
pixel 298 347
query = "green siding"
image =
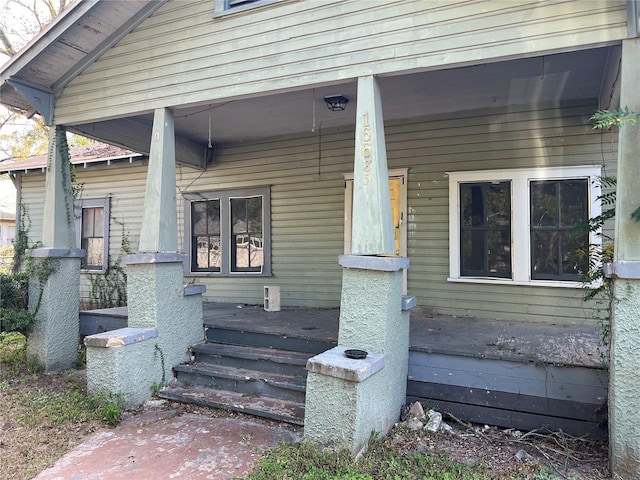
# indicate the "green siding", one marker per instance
pixel 294 44
pixel 307 204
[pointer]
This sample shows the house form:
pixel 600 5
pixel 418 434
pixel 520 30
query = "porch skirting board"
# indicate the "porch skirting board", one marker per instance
pixel 525 396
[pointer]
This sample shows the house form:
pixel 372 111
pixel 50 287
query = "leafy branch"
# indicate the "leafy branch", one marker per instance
pixel 605 119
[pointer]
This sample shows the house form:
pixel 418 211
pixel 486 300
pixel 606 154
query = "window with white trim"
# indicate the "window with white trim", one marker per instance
pixel 227 232
pixel 226 7
pixel 518 226
pixel 92 233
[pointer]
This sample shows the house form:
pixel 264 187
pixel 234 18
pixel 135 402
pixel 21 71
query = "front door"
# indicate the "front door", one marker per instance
pixel 398 195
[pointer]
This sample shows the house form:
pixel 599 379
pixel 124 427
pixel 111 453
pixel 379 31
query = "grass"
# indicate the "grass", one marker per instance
pixel 44 416
pixel 382 461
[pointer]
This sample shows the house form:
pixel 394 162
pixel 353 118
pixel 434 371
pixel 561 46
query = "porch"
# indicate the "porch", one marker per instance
pixel 513 374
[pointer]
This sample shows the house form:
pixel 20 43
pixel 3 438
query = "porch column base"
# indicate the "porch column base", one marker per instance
pixel 53 341
pixel 157 301
pixel 624 388
pixel 344 408
pixel 341 412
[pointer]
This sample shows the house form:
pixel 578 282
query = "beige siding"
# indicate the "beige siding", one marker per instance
pixel 307 204
pixel 181 55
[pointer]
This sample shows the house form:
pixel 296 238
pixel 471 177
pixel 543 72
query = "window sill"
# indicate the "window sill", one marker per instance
pixel 505 281
pixel 243 8
pixel 93 272
pixel 227 275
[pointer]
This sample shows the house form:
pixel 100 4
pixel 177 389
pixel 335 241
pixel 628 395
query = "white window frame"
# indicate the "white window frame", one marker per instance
pixel 223 7
pixel 225 197
pixel 520 179
pixel 81 204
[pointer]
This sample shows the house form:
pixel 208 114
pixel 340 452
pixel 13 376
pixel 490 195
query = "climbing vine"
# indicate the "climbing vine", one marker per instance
pixel 110 289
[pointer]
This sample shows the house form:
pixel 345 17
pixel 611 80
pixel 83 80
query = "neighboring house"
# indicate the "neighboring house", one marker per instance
pixel 7 212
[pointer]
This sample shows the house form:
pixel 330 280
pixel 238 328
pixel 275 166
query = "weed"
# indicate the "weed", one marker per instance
pixel 155 389
pixel 108 407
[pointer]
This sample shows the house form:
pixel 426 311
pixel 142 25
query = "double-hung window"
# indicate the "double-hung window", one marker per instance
pixel 92 233
pixel 227 232
pixel 519 226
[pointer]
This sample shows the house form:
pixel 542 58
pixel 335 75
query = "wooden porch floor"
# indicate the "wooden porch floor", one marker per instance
pixel 570 345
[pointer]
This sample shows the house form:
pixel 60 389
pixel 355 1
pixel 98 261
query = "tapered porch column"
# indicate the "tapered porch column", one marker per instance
pixel 55 296
pixel 348 399
pixel 624 373
pixel 164 316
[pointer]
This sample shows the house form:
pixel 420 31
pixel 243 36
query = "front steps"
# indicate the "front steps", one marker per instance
pixel 256 373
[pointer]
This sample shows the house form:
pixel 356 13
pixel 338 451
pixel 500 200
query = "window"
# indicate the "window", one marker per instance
pixel 92 233
pixel 228 232
pixel 226 7
pixel 518 226
pixel 485 229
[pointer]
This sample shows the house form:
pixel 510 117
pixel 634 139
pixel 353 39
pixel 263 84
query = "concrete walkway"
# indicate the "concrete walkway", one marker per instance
pixel 163 443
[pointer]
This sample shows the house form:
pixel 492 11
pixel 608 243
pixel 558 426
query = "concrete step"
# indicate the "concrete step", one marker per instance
pixel 244 381
pixel 266 340
pixel 262 359
pixel 267 407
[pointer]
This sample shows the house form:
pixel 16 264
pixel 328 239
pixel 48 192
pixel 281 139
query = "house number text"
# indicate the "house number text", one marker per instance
pixel 365 137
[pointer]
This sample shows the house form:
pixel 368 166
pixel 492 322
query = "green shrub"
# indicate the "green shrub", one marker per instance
pixel 14 299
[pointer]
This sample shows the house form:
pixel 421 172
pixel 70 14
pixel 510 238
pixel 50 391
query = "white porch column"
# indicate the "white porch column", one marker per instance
pixel 348 399
pixel 53 341
pixel 624 374
pixel 164 316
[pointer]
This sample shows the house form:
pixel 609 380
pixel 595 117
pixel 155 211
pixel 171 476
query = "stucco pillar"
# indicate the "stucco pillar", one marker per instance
pixel 624 374
pixel 348 399
pixel 164 316
pixel 54 286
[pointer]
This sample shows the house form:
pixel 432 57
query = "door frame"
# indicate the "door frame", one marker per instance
pixel 402 174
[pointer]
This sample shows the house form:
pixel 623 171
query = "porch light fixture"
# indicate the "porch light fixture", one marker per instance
pixel 336 103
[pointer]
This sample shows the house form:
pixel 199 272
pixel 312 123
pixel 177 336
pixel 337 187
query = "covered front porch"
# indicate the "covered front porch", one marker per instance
pixel 523 375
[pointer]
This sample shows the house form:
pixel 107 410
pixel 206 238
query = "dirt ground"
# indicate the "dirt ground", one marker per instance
pixel 27 447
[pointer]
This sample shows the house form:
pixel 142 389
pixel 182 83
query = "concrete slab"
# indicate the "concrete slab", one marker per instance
pixel 168 444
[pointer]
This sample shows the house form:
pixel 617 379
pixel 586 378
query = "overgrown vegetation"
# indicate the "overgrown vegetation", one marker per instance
pixel 110 289
pixel 395 457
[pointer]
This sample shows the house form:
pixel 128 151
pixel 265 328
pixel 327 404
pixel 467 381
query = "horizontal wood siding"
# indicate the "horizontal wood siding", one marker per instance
pixel 181 55
pixel 306 180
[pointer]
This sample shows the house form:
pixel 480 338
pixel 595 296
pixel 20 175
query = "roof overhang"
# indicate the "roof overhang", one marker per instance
pixel 30 80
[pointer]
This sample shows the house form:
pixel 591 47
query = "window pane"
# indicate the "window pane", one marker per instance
pixel 246 234
pixel 498 205
pixel 207 250
pixel 205 217
pixel 559 206
pixel 499 253
pixel 573 205
pixel 94 250
pixel 213 217
pixel 98 222
pixel 472 205
pixel 87 222
pixel 545 253
pixel 473 252
pixel 573 262
pixel 254 214
pixel 485 240
pixel 199 218
pixel 544 204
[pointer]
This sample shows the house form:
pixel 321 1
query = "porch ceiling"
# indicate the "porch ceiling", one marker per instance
pixel 552 78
